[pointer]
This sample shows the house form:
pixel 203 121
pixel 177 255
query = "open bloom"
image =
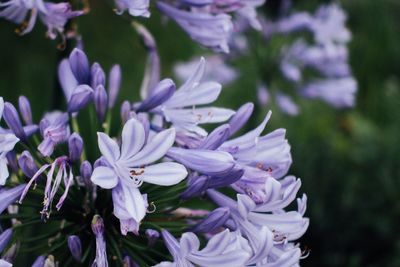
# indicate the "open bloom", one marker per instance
pixel 181 108
pixel 128 166
pixel 223 249
pixel 7 143
pixel 53 15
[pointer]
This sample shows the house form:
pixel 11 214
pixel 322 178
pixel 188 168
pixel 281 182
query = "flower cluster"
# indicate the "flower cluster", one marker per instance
pixel 124 200
pixel 316 70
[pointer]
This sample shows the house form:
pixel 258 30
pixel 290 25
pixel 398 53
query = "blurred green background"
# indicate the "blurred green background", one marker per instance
pixel 348 160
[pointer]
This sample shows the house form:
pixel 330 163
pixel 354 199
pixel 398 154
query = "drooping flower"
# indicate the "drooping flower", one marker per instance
pixel 128 167
pixel 55 130
pixel 53 15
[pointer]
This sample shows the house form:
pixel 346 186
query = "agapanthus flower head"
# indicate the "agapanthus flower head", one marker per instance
pixel 135 181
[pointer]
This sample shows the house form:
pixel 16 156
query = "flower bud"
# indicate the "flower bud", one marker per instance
pixel 80 66
pixel 100 102
pixel 213 221
pixel 39 262
pixel 12 119
pixel 27 164
pixel 240 118
pixel 25 110
pixel 81 96
pixel 75 147
pixel 86 170
pixel 196 188
pixel 98 75
pixel 216 138
pixel 152 236
pixel 75 246
pixel 97 225
pixel 12 160
pixel 161 93
pixel 10 195
pixel 5 237
pixel 125 111
pixel 114 83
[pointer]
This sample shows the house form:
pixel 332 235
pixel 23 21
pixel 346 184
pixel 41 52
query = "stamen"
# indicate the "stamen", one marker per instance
pixel 153 208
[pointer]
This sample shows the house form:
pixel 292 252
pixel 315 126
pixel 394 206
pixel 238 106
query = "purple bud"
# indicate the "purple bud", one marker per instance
pixel 39 262
pixel 216 137
pixel 100 102
pixel 125 111
pixel 27 164
pixel 225 180
pixel 114 84
pixel 86 170
pixel 30 129
pixel 10 195
pixel 241 117
pixel 75 147
pixel 80 66
pixel 25 109
pixel 75 246
pixel 204 161
pixel 196 188
pixel 81 96
pixel 12 160
pixel 128 262
pixel 98 75
pixel 12 119
pixel 213 221
pixel 161 93
pixel 97 225
pixel 5 238
pixel 152 236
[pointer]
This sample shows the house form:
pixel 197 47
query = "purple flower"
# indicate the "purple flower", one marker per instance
pixel 114 84
pixel 55 130
pixel 63 174
pixel 134 7
pixel 128 167
pixel 54 16
pixel 205 28
pixel 27 164
pixel 263 95
pixel 100 102
pixel 268 233
pixel 339 92
pixel 25 110
pixel 286 104
pixel 75 147
pixel 7 143
pixel 178 109
pixel 5 237
pixel 329 25
pixel 223 249
pixel 75 246
pixel 204 161
pixel 12 119
pixel 152 236
pixel 10 195
pixel 101 252
pixel 39 262
pixel 213 221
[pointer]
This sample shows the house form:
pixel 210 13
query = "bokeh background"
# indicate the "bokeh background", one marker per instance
pixel 348 160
